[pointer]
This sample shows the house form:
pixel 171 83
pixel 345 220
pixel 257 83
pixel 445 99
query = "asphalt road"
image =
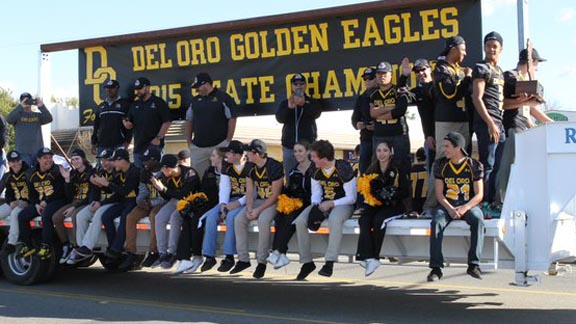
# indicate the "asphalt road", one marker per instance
pixel 394 294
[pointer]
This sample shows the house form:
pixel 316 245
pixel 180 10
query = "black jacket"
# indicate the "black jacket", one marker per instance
pixel 300 122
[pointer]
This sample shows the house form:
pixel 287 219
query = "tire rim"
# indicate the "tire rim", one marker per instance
pixel 19 265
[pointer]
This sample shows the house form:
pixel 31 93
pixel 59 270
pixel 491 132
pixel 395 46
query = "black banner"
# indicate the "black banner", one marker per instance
pixel 254 65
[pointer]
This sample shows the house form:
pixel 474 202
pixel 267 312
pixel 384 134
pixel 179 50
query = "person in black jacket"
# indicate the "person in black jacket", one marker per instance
pixel 47 195
pixel 109 132
pixel 78 187
pixel 16 183
pixel 125 186
pixel 362 121
pixel 176 183
pixel 298 113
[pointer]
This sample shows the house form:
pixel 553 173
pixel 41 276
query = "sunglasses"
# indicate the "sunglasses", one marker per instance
pixel 299 83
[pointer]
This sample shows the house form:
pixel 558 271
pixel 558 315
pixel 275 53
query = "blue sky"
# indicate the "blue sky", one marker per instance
pixel 552 28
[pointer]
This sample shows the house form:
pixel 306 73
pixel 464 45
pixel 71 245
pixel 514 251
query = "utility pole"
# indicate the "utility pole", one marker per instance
pixel 523 24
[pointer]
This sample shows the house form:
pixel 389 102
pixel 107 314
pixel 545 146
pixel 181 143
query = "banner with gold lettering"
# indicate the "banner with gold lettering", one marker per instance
pixel 254 63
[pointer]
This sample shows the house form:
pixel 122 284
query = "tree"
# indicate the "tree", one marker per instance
pixel 7 103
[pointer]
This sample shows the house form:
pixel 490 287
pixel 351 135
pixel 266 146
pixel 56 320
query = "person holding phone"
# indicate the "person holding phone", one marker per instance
pixel 298 113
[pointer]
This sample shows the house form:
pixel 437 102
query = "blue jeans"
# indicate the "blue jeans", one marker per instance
pixel 490 154
pixel 211 231
pixel 117 237
pixel 441 219
pixel 365 155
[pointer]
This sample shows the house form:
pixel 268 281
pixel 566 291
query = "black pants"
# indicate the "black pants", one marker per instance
pixel 190 241
pixel 284 230
pixel 371 236
pixel 117 237
pixel 29 213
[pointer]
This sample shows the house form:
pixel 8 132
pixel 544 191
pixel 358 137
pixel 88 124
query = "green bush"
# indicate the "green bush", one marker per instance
pixel 7 103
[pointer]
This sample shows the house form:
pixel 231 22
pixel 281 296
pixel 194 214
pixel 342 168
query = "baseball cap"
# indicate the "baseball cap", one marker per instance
pixel 78 152
pixel 236 147
pixel 297 78
pixel 120 154
pixel 535 55
pixel 493 36
pixel 152 152
pixel 25 95
pixel 369 73
pixel 184 154
pixel 384 67
pixel 256 146
pixel 200 79
pixel 420 64
pixel 105 154
pixel 14 156
pixel 169 161
pixel 315 218
pixel 44 151
pixel 111 84
pixel 141 82
pixel 457 140
pixel 452 42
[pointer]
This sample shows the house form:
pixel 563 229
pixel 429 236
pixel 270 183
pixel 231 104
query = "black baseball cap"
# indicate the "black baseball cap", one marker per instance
pixel 383 67
pixel 535 55
pixel 452 42
pixel 78 152
pixel 369 73
pixel 297 78
pixel 256 146
pixel 120 154
pixel 200 79
pixel 169 161
pixel 44 151
pixel 420 64
pixel 493 36
pixel 457 140
pixel 111 84
pixel 105 154
pixel 184 154
pixel 25 95
pixel 141 82
pixel 152 152
pixel 13 156
pixel 235 146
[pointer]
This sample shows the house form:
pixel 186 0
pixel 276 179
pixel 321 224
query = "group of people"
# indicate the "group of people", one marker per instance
pixel 243 184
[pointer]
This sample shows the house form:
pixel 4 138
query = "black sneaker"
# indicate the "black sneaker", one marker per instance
pixel 260 271
pixel 112 255
pixel 327 269
pixel 208 264
pixel 83 251
pixel 240 266
pixel 306 270
pixel 8 249
pixel 226 265
pixel 168 261
pixel 474 271
pixel 129 262
pixel 150 259
pixel 434 275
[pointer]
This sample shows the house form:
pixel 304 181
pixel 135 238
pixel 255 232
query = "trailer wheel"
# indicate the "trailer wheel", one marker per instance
pixel 22 270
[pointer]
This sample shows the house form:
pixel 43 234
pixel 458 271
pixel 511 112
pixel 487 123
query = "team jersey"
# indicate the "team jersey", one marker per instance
pixel 182 185
pixel 237 178
pixel 419 179
pixel 148 191
pixel 79 187
pixel 450 89
pixel 264 177
pixel 46 186
pixel 103 193
pixel 399 102
pixel 458 179
pixel 124 185
pixel 17 185
pixel 333 183
pixel 512 116
pixel 494 89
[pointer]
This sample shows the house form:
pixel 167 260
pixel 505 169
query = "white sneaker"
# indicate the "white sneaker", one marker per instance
pixel 273 257
pixel 282 261
pixel 362 264
pixel 196 263
pixel 183 265
pixel 73 256
pixel 66 253
pixel 371 266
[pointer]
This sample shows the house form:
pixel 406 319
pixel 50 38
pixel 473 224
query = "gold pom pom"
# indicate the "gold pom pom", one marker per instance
pixel 287 205
pixel 364 188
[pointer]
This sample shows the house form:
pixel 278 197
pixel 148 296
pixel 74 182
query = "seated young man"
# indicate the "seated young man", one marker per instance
pixel 334 195
pixel 459 190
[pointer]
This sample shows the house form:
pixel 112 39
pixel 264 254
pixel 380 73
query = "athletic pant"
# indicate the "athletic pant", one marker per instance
pixel 89 225
pixel 168 240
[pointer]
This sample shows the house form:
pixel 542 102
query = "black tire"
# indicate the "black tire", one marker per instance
pixel 20 270
pixel 50 266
